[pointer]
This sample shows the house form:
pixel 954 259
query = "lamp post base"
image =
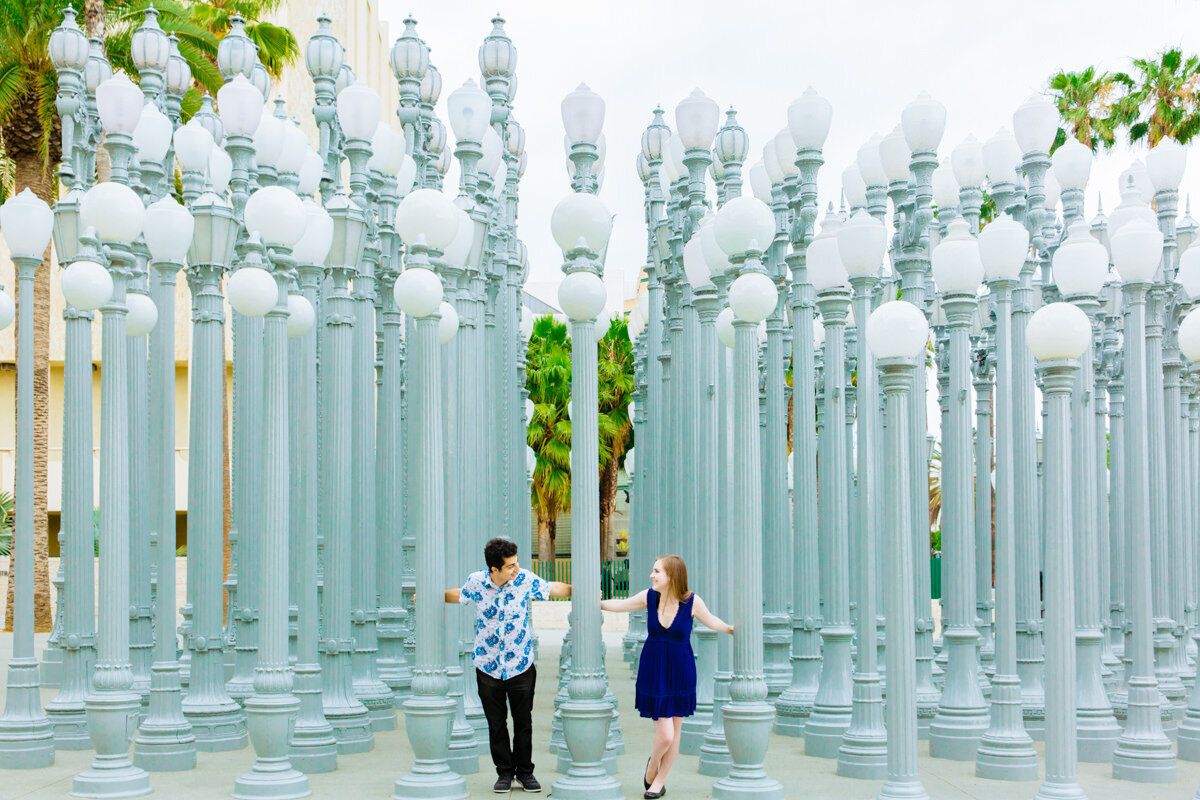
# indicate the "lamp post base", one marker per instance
pixel 1005 750
pixel 268 718
pixel 351 726
pixel 1060 791
pixel 164 741
pixel 903 790
pixel 587 759
pixel 111 717
pixel 428 721
pixel 69 724
pixel 217 729
pixel 955 733
pixel 863 753
pixel 792 711
pixel 312 747
pixel 747 731
pixel 1143 754
pixel 26 736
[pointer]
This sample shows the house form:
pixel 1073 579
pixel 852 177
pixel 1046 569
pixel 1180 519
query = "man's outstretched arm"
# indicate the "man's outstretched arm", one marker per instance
pixel 559 589
pixel 452 595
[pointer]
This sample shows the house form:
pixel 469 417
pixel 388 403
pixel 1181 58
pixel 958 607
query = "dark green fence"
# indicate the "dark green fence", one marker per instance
pixel 614 575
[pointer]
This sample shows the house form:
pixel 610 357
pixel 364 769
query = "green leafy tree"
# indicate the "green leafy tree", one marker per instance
pixel 1161 97
pixel 615 367
pixel 1091 107
pixel 548 379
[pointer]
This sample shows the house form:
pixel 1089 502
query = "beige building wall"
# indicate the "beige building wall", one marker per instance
pixel 357 25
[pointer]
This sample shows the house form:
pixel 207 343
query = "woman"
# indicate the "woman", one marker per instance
pixel 666 678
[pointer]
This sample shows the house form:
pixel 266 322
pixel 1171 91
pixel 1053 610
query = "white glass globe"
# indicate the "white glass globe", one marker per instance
pixel 924 121
pixel 1080 263
pixel 1058 330
pixel 724 325
pixel 429 215
pixel 1136 251
pixel 301 316
pixel 313 246
pixel 530 408
pixel 526 322
pixel 220 170
pixel 459 251
pixel 114 210
pixel 448 324
pixel 86 285
pixel 1034 124
pixel 8 309
pixel 581 295
pixel 152 136
pixel 945 188
pixel 1072 164
pixel 629 461
pixel 418 292
pixel 193 145
pixel 785 151
pixel 809 116
pixel 744 224
pixel 862 243
pixel 957 265
pixel 822 259
pixel 268 141
pixel 583 114
pixel 241 106
pixel 897 330
pixel 694 265
pixel 142 316
pixel 1189 336
pixel 870 164
pixel 1188 273
pixel 470 110
pixel 854 187
pixel 169 229
pixel 697 118
pixel 1001 155
pixel 119 103
pixel 760 182
pixel 530 459
pixel 252 291
pixel 295 149
pixel 26 223
pixel 358 110
pixel 894 155
pixel 308 178
pixel 277 215
pixel 967 162
pixel 578 216
pixel 1003 246
pixel 1165 164
pixel 753 297
pixel 406 176
pixel 716 259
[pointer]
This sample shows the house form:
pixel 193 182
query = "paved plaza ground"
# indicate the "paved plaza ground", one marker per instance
pixel 369 776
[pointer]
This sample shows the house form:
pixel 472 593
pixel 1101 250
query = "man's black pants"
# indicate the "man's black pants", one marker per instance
pixel 515 758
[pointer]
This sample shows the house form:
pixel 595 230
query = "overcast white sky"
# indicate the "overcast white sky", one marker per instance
pixel 869 58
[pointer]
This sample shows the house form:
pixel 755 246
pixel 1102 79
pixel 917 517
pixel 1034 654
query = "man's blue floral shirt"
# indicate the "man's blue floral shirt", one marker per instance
pixel 503 644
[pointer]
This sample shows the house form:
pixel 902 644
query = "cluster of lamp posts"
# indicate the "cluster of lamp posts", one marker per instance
pixel 355 407
pixel 1087 637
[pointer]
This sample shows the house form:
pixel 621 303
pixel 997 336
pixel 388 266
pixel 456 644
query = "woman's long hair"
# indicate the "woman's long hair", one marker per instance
pixel 677 573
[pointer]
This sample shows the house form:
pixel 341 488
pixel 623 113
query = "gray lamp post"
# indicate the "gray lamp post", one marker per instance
pixel 1080 266
pixel 164 740
pixel 1058 334
pixel 1143 752
pixel 116 212
pixel 1005 749
pixel 862 243
pixel 830 715
pixel 809 118
pixel 697 117
pixel 897 334
pixel 1188 336
pixel 744 226
pixel 26 737
pixel 427 223
pixel 962 716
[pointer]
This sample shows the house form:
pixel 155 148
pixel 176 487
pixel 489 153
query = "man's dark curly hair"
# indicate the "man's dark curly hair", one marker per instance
pixel 497 551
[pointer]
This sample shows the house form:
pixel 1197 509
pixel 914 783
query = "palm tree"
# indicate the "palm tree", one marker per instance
pixel 1090 107
pixel 1161 98
pixel 615 367
pixel 548 379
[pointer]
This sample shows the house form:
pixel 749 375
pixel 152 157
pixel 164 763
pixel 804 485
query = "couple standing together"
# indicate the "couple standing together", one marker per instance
pixel 505 672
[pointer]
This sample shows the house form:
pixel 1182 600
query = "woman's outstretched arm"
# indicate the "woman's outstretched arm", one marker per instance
pixel 709 619
pixel 635 603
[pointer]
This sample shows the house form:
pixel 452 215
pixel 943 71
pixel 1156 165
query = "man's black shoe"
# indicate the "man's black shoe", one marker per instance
pixel 503 784
pixel 529 783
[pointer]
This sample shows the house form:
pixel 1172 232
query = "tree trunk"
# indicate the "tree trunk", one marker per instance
pixel 94 16
pixel 608 504
pixel 30 172
pixel 545 541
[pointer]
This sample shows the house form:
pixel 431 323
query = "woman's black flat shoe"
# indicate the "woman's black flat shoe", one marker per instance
pixel 645 782
pixel 654 795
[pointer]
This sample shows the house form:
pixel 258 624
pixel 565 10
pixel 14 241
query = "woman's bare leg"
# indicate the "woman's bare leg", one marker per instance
pixel 674 725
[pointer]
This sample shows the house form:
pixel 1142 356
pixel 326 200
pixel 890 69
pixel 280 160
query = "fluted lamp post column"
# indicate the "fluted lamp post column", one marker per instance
pixel 862 243
pixel 1058 334
pixel 897 334
pixel 26 737
pixel 1188 336
pixel 1005 749
pixel 581 225
pixel 164 740
pixel 277 216
pixel 830 715
pixel 427 223
pixel 1143 751
pixel 743 229
pixel 962 715
pixel 1080 267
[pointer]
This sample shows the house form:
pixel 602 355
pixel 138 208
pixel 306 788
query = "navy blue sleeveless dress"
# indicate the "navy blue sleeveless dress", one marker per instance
pixel 666 677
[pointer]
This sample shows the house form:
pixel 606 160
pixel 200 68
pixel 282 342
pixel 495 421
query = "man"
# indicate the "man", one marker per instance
pixel 504 668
